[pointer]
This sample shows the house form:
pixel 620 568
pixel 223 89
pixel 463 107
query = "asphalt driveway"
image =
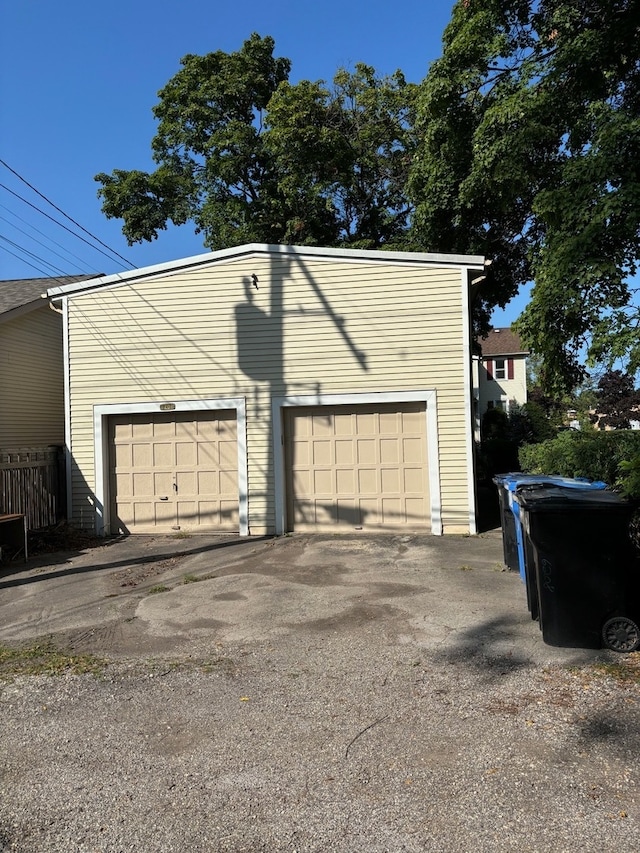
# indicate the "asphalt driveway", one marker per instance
pixel 154 595
pixel 306 693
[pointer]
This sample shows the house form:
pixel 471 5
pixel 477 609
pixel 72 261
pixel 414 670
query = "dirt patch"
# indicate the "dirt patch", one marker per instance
pixel 61 537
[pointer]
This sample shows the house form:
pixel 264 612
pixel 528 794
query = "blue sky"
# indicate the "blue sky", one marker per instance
pixel 78 82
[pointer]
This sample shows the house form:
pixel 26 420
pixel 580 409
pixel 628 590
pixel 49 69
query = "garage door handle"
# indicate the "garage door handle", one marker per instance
pixel 164 499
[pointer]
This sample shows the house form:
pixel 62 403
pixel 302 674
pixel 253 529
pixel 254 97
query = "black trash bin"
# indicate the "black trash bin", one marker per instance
pixel 507 523
pixel 512 539
pixel 582 545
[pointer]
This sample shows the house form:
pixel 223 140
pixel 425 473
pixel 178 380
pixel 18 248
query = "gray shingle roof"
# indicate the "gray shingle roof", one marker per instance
pixel 17 293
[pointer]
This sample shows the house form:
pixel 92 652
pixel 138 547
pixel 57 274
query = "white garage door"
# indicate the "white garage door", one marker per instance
pixel 352 467
pixel 174 471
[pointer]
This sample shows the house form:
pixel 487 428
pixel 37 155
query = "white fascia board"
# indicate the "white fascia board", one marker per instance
pixel 355 255
pixel 427 396
pixel 67 407
pixel 468 398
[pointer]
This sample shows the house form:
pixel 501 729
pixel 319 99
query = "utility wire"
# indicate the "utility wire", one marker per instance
pixel 70 254
pixel 55 206
pixel 39 242
pixel 35 207
pixel 22 260
pixel 31 254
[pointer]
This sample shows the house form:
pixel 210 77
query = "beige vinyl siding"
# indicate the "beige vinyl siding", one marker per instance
pixel 31 380
pixel 313 326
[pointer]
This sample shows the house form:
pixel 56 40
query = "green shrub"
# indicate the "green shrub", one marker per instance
pixel 590 453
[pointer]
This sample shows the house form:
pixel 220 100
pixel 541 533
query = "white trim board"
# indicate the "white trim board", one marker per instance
pixel 375 256
pixel 468 399
pixel 429 398
pixel 101 448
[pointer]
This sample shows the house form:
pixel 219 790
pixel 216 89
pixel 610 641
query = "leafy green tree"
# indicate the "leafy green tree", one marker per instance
pixel 530 154
pixel 349 148
pixel 247 156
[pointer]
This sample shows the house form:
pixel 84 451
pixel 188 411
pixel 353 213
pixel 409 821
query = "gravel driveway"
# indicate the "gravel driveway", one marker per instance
pixel 308 694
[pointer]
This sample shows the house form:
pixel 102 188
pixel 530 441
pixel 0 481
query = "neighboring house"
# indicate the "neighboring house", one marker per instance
pixel 501 379
pixel 31 398
pixel 264 389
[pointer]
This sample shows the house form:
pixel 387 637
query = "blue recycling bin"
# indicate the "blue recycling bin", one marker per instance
pixel 583 554
pixel 513 540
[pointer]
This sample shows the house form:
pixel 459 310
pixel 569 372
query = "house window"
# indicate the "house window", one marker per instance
pixel 500 369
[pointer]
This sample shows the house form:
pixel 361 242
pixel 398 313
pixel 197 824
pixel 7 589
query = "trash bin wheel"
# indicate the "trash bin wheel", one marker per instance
pixel 621 634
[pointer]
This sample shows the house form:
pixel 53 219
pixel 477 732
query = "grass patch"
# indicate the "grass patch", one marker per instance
pixel 159 588
pixel 197 578
pixel 624 671
pixel 43 657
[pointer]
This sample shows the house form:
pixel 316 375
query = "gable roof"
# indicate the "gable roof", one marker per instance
pixel 474 262
pixel 502 341
pixel 20 295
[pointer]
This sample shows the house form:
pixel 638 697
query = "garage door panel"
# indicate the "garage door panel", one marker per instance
pixel 414 480
pixel 389 451
pixel 390 423
pixel 357 466
pixel 228 483
pixel 366 450
pixel 345 481
pixel 343 424
pixel 367 481
pixel 228 514
pixel 390 480
pixel 142 456
pixel 163 455
pixel 368 512
pixel 366 424
pixel 321 425
pixel 415 508
pixel 323 482
pixel 158 481
pixel 186 453
pixel 413 450
pixel 227 454
pixel 344 452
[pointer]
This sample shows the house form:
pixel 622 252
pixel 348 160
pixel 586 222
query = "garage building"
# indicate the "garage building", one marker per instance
pixel 264 389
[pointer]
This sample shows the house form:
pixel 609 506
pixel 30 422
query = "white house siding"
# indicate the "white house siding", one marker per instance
pixel 31 380
pixel 504 390
pixel 312 327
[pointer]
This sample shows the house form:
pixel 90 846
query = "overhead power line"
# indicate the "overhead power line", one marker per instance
pixel 40 242
pixel 61 224
pixel 55 206
pixel 24 261
pixel 32 255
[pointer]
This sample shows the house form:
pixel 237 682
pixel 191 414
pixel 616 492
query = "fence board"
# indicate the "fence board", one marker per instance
pixel 31 484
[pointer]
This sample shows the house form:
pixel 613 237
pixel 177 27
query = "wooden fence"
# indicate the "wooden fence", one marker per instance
pixel 32 484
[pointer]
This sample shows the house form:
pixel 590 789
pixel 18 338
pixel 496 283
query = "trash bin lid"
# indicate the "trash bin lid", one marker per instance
pixel 548 498
pixel 514 482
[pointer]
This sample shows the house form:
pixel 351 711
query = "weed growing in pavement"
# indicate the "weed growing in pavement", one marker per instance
pixel 466 568
pixel 159 588
pixel 43 657
pixel 196 578
pixel 626 670
pixel 181 535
